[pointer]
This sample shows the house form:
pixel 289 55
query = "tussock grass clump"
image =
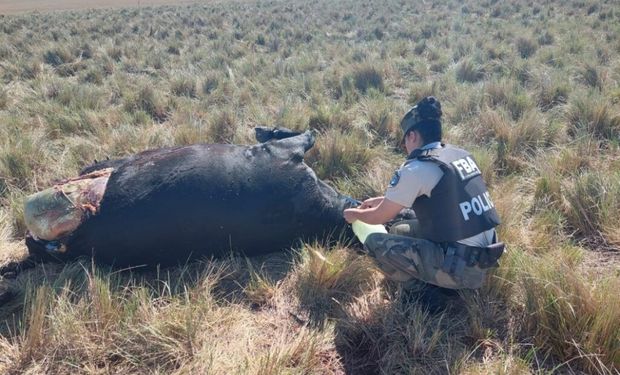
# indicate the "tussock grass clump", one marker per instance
pixel 552 57
pixel 419 47
pixel 58 57
pixel 551 91
pixel 83 319
pixel 115 53
pixel 548 190
pixel 467 103
pixel 372 180
pixel 4 188
pixel 485 159
pixel 526 47
pixel 439 65
pixel 174 49
pixel 307 352
pixel 421 90
pixel 505 363
pixel 591 204
pixel 261 290
pixel 336 84
pixel 512 210
pixel 293 116
pixel 148 100
pixel 517 141
pixel 330 116
pixel 469 71
pixel 546 38
pixel 338 154
pixel 70 69
pixel 25 162
pixel 210 83
pixel 380 117
pixel 569 322
pixel 93 75
pixel 128 139
pixel 592 76
pixel 568 161
pixel 380 335
pixel 222 127
pixel 326 280
pixel 16 167
pixel 593 115
pixel 31 70
pixel 60 124
pixel 4 99
pixel 79 318
pixel 366 77
pixel 509 95
pixel 184 86
pixel 78 97
pixel 10 250
pixel 568 319
pixel 190 127
pixel 14 200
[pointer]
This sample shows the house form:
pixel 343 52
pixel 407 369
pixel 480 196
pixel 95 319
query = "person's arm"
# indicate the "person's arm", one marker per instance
pixel 380 214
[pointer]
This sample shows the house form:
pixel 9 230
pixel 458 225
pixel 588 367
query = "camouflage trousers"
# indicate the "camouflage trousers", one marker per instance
pixel 404 258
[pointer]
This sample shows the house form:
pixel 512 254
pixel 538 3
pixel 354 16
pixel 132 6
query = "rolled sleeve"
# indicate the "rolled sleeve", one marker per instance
pixel 414 179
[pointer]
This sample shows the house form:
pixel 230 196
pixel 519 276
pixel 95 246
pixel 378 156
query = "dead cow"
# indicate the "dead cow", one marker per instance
pixel 164 206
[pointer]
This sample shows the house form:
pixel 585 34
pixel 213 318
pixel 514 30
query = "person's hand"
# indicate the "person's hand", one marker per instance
pixel 371 202
pixel 350 215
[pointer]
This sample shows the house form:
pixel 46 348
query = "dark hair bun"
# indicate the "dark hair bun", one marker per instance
pixel 429 108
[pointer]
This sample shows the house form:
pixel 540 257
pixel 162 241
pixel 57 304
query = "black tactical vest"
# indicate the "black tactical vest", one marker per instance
pixel 459 206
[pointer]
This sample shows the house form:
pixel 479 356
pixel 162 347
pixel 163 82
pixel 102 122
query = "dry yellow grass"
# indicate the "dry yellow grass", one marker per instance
pixel 531 89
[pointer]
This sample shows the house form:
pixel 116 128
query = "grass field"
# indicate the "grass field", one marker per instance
pixel 531 88
pixel 24 6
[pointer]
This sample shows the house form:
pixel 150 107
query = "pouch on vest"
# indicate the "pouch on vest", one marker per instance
pixel 490 255
pixel 457 257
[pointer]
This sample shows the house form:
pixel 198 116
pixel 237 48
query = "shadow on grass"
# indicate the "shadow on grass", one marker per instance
pixel 381 328
pixel 226 278
pixel 400 331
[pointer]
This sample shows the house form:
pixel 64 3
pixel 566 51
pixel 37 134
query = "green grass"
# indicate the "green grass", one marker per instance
pixel 531 89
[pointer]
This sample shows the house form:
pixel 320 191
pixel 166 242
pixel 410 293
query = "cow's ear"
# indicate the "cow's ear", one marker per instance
pixel 265 134
pixel 293 148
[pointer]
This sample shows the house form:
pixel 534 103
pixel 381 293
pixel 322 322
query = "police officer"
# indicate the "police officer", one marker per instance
pixel 452 241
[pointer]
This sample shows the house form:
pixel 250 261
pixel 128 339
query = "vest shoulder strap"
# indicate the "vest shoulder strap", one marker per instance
pixel 423 154
pixel 440 156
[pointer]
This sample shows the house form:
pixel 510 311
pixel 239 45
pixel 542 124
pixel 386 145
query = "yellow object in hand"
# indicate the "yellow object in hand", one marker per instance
pixel 363 230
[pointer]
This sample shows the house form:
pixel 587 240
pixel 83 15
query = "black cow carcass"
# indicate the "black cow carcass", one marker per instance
pixel 166 205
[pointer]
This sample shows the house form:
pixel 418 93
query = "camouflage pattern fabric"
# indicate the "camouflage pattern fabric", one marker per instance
pixel 404 258
pixel 405 228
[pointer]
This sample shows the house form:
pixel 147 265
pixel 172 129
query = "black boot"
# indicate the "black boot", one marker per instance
pixel 433 298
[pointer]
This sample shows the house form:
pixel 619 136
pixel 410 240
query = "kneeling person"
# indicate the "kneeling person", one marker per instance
pixel 452 241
